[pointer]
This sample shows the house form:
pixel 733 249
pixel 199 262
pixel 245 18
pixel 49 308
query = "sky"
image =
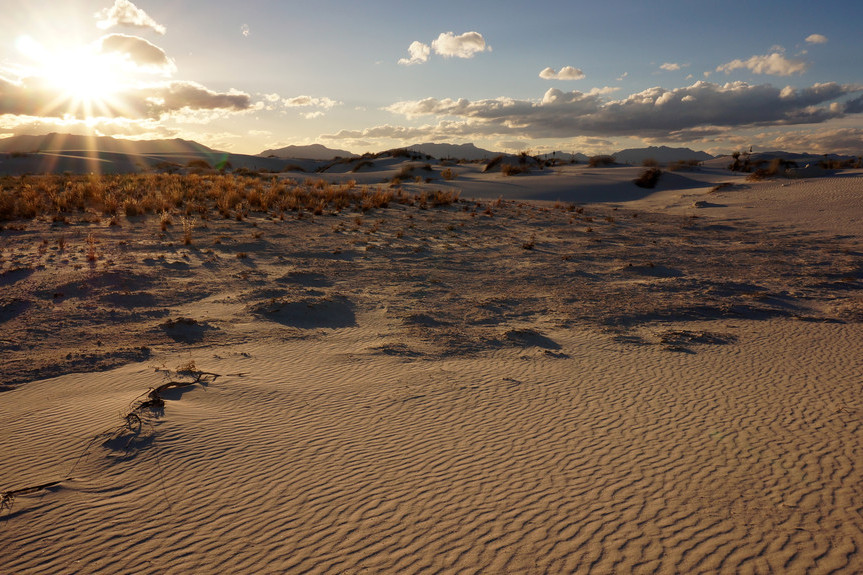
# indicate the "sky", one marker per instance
pixel 506 75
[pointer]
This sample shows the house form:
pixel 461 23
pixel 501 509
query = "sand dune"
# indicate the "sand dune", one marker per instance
pixel 647 385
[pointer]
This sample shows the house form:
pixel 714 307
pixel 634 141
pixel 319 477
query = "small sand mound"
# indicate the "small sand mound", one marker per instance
pixel 305 279
pixel 423 320
pixel 185 329
pixel 530 338
pixel 309 312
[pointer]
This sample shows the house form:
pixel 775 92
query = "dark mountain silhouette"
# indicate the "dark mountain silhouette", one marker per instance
pixel 310 152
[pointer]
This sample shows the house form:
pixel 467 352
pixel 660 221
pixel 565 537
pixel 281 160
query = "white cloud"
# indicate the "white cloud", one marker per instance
pixel 465 45
pixel 566 73
pixel 245 30
pixel 816 39
pixel 419 53
pixel 774 64
pixel 313 115
pixel 124 13
pixel 622 76
pixel 670 66
pixel 309 101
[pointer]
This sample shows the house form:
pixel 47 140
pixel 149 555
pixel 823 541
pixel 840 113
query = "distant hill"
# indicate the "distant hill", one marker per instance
pixel 59 153
pixel 456 151
pixel 68 142
pixel 661 154
pixel 310 152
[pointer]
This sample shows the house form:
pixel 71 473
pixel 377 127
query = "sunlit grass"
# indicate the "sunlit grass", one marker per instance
pixel 202 195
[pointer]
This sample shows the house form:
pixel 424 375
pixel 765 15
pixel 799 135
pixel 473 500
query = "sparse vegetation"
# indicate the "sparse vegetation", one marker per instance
pixel 59 197
pixel 681 165
pixel 648 178
pixel 600 161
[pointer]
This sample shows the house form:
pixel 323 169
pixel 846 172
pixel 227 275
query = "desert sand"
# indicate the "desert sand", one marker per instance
pixel 561 373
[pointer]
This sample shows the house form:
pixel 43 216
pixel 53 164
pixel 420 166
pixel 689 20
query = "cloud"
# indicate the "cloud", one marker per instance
pixel 39 98
pixel 816 39
pixel 313 115
pixel 309 101
pixel 774 64
pixel 835 141
pixel 465 45
pixel 566 73
pixel 419 54
pixel 670 66
pixel 176 96
pixel 651 113
pixel 139 51
pixel 124 13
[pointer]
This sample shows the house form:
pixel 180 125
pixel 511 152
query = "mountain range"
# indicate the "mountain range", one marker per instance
pixel 310 152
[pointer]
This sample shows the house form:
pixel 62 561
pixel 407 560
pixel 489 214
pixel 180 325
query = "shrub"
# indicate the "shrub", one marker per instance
pixel 650 163
pixel 512 169
pixel 448 174
pixel 648 178
pixel 600 161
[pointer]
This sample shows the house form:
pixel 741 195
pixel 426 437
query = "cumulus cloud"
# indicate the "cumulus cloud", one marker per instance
pixel 566 73
pixel 670 66
pixel 651 113
pixel 124 13
pixel 816 39
pixel 465 45
pixel 139 51
pixel 419 53
pixel 309 101
pixel 176 96
pixel 774 64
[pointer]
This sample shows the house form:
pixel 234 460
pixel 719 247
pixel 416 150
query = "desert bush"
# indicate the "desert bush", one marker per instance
pixel 362 164
pixel 493 163
pixel 650 163
pixel 600 161
pixel 202 164
pixel 513 170
pixel 648 178
pixel 448 174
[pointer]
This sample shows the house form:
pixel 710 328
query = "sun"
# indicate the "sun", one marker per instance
pixel 86 82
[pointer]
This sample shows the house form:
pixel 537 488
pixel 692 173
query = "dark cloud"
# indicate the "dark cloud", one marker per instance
pixel 176 96
pixel 140 51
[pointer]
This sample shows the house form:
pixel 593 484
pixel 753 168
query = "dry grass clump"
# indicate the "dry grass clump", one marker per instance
pixel 600 161
pixel 648 178
pixel 681 165
pixel 776 167
pixel 448 174
pixel 650 163
pixel 839 164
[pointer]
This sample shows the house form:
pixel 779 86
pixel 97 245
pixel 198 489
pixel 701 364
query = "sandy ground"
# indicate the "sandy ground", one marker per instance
pixel 666 381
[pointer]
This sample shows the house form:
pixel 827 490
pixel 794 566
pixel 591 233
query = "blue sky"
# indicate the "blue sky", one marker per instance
pixel 366 76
